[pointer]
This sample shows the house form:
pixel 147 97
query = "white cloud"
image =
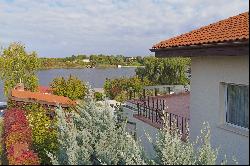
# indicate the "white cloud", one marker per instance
pixel 129 27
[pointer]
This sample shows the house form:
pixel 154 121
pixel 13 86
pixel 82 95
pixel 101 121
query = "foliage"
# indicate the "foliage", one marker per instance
pixel 72 88
pixel 165 71
pixel 171 149
pixel 122 96
pixel 27 157
pixel 92 137
pixel 44 133
pixel 18 139
pixel 16 65
pixel 77 61
pixel 120 88
pixel 98 96
pixel 1 133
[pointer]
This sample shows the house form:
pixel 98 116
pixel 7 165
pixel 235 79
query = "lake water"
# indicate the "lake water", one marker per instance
pixel 95 77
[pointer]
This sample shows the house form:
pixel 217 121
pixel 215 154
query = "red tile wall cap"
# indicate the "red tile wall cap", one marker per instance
pixel 234 28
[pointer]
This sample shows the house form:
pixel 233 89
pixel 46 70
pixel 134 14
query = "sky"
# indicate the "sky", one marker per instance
pixel 60 28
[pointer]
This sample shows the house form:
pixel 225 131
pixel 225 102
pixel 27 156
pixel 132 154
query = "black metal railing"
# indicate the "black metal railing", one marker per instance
pixel 156 112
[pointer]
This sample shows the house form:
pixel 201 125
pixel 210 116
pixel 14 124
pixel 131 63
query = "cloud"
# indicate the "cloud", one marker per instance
pixel 64 27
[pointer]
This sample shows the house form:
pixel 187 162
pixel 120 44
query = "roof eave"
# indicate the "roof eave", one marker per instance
pixel 235 48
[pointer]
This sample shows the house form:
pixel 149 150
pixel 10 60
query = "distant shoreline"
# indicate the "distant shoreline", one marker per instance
pixel 84 67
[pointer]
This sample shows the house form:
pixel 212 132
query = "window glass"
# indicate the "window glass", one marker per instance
pixel 238 105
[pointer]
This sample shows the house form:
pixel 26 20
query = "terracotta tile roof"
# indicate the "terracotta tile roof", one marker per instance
pixel 37 96
pixel 44 89
pixel 235 28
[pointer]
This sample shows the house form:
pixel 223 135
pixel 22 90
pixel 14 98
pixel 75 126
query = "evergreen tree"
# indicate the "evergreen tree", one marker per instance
pixel 172 150
pixel 90 135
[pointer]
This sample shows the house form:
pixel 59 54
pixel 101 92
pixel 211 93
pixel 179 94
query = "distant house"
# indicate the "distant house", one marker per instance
pixel 86 60
pixel 130 58
pixel 21 96
pixel 219 56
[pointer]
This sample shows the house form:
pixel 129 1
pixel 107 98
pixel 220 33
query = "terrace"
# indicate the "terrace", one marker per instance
pixel 174 104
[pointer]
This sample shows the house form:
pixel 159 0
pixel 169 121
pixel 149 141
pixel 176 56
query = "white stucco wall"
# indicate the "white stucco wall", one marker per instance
pixel 141 129
pixel 206 101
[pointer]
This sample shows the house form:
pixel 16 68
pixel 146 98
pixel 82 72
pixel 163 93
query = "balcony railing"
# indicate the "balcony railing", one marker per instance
pixel 155 115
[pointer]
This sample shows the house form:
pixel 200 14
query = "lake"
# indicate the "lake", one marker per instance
pixel 95 77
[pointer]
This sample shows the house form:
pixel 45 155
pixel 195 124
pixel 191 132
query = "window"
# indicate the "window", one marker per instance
pixel 237 105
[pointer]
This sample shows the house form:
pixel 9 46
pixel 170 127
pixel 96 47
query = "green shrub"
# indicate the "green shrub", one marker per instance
pixel 72 88
pixel 98 96
pixel 44 133
pixel 120 88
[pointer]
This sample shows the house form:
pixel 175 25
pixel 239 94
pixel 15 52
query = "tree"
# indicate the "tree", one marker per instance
pixel 90 135
pixel 119 88
pixel 72 88
pixel 18 66
pixel 171 71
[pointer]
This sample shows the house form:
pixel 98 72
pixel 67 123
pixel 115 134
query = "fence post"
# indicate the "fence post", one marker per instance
pixel 170 120
pixel 138 108
pixel 148 113
pixel 152 115
pixel 155 91
pixel 148 101
pixel 157 104
pixel 130 95
pixel 182 126
pixel 153 101
pixel 156 116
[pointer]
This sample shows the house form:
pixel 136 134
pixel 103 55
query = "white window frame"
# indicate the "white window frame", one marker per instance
pixel 226 110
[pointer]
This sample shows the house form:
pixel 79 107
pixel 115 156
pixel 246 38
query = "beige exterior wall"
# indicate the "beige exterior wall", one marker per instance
pixel 142 130
pixel 207 102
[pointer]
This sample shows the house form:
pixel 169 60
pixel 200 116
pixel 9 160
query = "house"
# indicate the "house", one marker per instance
pixel 20 96
pixel 128 59
pixel 86 60
pixel 219 85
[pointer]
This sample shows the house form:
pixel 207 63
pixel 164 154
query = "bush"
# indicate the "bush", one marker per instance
pixel 93 137
pixel 120 88
pixel 72 88
pixel 98 96
pixel 164 71
pixel 44 133
pixel 172 150
pixel 18 139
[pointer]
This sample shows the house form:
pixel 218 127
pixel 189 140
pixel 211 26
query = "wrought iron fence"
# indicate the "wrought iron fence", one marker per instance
pixel 156 111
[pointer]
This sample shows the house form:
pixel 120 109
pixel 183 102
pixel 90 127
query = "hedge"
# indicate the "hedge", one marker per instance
pixel 18 139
